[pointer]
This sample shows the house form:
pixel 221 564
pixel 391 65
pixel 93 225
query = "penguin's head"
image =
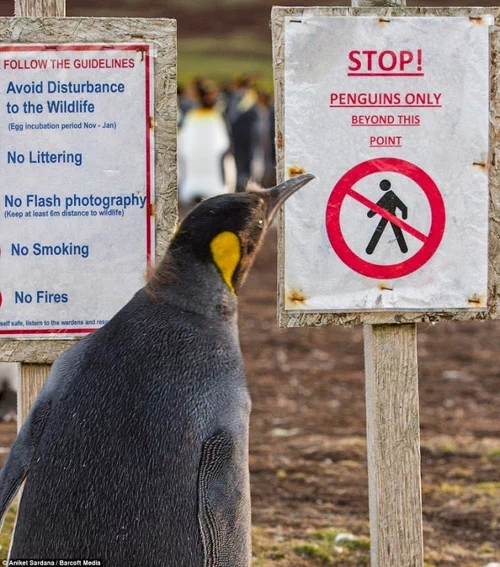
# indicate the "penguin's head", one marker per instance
pixel 226 231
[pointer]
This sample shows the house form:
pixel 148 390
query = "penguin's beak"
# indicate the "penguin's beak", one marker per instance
pixel 279 194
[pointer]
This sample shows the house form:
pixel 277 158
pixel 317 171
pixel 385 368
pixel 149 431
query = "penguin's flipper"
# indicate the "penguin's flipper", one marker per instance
pixel 223 502
pixel 17 465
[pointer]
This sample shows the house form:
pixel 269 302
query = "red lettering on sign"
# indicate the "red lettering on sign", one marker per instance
pixel 24 64
pixel 369 62
pixel 385 100
pixel 356 62
pixel 388 63
pixel 385 141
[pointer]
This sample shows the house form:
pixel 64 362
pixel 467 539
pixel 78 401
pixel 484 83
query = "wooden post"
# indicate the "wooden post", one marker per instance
pixel 393 430
pixel 40 8
pixel 377 3
pixel 33 376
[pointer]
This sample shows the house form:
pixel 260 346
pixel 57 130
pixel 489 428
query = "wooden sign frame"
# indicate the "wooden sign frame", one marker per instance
pixel 162 35
pixel 288 318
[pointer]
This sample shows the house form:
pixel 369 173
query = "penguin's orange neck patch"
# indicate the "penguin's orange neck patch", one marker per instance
pixel 226 253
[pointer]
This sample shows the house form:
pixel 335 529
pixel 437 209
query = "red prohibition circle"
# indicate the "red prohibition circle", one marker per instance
pixel 346 184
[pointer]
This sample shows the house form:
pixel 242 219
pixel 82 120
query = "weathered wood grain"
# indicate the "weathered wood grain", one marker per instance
pixel 40 8
pixel 377 3
pixel 301 319
pixel 33 377
pixel 162 34
pixel 393 431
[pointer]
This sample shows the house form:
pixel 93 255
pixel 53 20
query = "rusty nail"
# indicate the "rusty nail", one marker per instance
pixel 295 170
pixel 384 287
pixel 296 297
pixel 381 20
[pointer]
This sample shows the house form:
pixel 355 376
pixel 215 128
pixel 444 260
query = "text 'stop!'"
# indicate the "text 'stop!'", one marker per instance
pixel 392 115
pixel 76 184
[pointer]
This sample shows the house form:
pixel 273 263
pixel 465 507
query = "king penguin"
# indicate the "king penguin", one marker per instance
pixel 135 452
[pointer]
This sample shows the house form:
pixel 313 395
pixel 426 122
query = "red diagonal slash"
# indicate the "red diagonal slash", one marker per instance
pixel 387 215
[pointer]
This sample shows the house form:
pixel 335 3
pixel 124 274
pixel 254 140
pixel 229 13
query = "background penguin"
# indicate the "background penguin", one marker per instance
pixel 136 450
pixel 203 142
pixel 243 117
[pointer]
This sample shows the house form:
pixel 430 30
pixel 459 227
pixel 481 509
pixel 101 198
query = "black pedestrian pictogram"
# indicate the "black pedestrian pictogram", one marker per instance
pixel 390 202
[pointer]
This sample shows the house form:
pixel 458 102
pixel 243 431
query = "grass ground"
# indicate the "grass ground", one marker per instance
pixel 336 547
pixel 222 58
pixel 319 546
pixel 6 532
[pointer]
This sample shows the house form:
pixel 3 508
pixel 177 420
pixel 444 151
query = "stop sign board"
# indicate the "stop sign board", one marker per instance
pixel 395 126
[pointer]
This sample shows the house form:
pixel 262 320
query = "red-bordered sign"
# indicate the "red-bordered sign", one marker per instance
pixel 149 165
pixel 345 188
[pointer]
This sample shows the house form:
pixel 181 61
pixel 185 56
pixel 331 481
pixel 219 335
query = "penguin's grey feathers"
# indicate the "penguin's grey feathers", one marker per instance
pixel 222 512
pixel 17 466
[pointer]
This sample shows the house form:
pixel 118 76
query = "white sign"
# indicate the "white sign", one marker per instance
pixel 392 116
pixel 77 187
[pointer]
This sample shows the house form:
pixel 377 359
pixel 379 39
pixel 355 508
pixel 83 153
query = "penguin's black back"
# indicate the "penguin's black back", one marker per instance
pixel 116 473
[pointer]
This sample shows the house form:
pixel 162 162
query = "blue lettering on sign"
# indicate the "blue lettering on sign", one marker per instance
pixel 37 201
pixel 26 88
pixel 61 157
pixel 21 297
pixel 44 157
pixel 11 201
pixel 46 297
pixel 72 107
pixel 14 157
pixel 63 249
pixel 92 200
pixel 18 250
pixel 42 296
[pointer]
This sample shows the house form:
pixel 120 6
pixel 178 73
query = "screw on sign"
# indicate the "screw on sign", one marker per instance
pixel 387 208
